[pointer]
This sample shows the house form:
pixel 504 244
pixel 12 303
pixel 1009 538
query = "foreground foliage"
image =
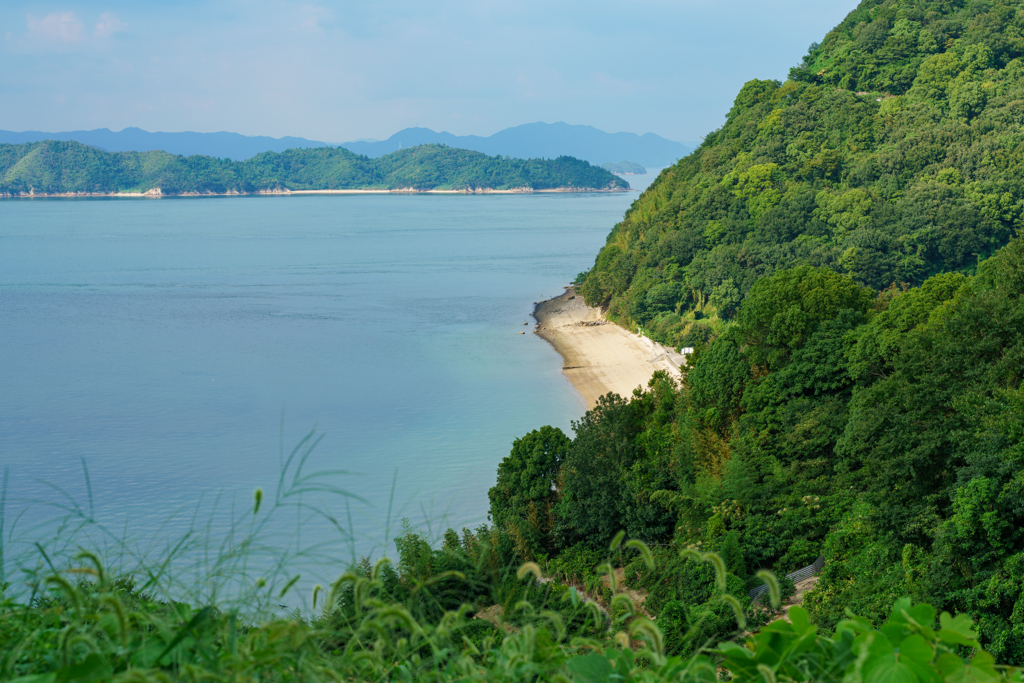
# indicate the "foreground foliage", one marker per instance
pixel 52 167
pixel 383 623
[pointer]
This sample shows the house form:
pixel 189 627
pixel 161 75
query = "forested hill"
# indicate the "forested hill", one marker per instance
pixel 824 412
pixel 892 153
pixel 53 167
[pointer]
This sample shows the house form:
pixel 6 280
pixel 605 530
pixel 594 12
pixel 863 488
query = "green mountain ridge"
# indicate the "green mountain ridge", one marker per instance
pixel 893 153
pixel 844 255
pixel 54 167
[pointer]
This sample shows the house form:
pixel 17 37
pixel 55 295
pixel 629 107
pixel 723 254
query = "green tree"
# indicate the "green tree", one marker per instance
pixel 528 476
pixel 783 311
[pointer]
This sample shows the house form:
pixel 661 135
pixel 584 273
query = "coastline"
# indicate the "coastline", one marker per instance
pixel 156 193
pixel 598 355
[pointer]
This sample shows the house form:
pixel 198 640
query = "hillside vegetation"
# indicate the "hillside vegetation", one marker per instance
pixel 884 430
pixel 843 256
pixel 53 167
pixel 892 153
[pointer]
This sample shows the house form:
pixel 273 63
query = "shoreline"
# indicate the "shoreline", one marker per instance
pixel 599 356
pixel 156 193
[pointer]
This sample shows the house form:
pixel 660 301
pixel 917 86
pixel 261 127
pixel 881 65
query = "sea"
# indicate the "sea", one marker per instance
pixel 359 359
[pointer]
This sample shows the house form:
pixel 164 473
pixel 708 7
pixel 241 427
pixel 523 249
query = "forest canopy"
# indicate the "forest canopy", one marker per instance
pixel 893 153
pixel 883 430
pixel 844 256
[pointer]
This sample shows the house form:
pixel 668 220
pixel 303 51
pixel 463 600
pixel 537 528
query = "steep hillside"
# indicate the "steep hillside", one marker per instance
pixel 891 154
pixel 824 412
pixel 53 167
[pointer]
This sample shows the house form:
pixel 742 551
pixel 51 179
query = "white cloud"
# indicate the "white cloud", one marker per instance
pixel 108 25
pixel 315 16
pixel 57 27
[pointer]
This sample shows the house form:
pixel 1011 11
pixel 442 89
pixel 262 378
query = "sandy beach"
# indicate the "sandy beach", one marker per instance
pixel 599 356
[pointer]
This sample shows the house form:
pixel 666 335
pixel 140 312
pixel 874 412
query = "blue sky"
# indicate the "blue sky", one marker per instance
pixel 338 71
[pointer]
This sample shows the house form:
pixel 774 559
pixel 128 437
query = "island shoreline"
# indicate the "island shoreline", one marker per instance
pixel 157 194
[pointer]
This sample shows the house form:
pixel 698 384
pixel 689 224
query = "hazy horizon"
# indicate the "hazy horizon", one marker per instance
pixel 331 142
pixel 340 72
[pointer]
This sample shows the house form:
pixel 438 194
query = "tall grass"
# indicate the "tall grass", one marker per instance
pixel 81 602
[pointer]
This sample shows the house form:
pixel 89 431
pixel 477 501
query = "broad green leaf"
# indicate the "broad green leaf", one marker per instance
pixel 915 647
pixel 731 648
pixel 146 655
pixel 923 614
pixel 958 630
pixel 924 672
pixel 798 617
pixel 981 669
pixel 621 661
pixel 969 674
pixel 895 632
pixel 894 672
pixel 984 662
pixel 948 663
pixel 592 668
pixel 91 668
pixel 35 678
pixel 898 608
pixel 780 626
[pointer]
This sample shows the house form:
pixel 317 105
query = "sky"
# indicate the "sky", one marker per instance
pixel 340 71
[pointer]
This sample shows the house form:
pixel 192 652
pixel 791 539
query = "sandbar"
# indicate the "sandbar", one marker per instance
pixel 598 355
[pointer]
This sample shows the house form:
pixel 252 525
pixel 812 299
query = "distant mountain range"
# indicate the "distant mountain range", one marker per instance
pixel 533 140
pixel 543 140
pixel 220 145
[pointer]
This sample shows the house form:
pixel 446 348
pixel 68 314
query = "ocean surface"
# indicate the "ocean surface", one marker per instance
pixel 177 347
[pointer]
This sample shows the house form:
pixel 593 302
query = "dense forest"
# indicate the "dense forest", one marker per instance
pixel 891 154
pixel 53 167
pixel 843 256
pixel 882 429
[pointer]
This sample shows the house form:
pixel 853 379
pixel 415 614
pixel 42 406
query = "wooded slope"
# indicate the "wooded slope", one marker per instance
pixel 893 152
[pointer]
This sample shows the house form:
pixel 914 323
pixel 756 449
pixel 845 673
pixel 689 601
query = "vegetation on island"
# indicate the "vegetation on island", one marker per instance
pixel 625 167
pixel 53 167
pixel 890 155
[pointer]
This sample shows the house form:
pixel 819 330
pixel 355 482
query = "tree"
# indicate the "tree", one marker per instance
pixel 783 311
pixel 529 474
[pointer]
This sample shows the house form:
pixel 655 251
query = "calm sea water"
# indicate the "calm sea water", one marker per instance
pixel 163 341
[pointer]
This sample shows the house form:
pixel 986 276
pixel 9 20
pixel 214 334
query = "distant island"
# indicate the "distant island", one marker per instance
pixel 60 168
pixel 625 168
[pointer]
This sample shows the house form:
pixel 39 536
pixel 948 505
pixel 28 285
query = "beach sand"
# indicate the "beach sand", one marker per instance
pixel 599 356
